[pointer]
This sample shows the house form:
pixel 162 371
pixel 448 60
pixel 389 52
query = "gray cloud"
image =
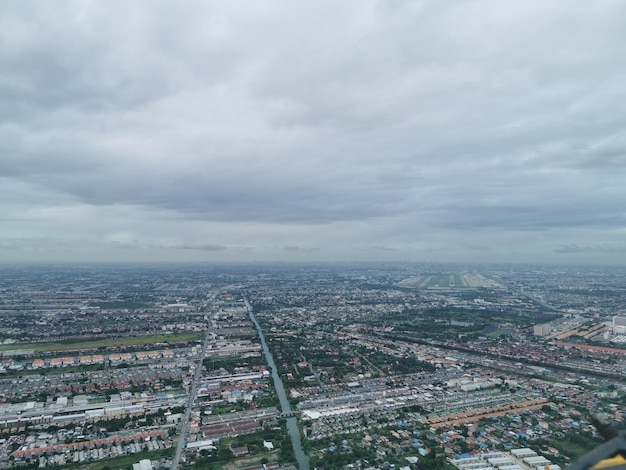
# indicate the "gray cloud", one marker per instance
pixel 495 130
pixel 477 247
pixel 294 248
pixel 574 248
pixel 203 247
pixel 180 246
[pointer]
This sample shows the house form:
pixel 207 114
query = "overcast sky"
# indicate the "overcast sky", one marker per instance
pixel 451 131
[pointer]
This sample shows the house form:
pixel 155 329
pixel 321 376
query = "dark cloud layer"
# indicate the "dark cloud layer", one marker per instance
pixel 574 248
pixel 478 131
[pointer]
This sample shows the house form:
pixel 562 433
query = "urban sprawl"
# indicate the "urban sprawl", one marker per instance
pixel 322 366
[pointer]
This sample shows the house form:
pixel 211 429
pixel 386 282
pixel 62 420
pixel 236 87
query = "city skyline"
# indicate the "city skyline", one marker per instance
pixel 419 131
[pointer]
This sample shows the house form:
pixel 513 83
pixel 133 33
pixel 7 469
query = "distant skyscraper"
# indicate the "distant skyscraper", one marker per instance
pixel 619 321
pixel 542 330
pixel 619 325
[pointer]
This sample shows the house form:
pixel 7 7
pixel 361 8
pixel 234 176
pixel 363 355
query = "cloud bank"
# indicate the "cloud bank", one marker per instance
pixel 289 131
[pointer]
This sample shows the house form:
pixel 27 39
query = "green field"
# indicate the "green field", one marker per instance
pixel 436 281
pixel 104 343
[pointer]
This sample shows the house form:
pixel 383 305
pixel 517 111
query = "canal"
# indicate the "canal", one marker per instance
pixel 292 423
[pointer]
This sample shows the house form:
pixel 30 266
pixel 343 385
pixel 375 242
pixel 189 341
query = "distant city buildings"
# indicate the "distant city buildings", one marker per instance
pixel 387 364
pixel 619 325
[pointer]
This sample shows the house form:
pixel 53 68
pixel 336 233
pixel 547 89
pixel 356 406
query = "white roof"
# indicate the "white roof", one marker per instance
pixel 144 464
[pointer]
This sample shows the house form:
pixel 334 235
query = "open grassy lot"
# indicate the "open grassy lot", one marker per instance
pixel 435 281
pixel 414 282
pixel 104 343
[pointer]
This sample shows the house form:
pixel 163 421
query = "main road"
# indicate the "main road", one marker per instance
pixel 192 398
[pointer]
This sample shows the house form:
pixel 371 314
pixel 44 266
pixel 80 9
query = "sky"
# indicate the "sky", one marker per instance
pixel 250 131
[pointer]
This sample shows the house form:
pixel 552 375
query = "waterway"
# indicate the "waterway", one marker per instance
pixel 292 423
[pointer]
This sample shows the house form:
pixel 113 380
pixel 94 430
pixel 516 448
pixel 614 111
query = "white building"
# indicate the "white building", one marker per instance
pixel 144 464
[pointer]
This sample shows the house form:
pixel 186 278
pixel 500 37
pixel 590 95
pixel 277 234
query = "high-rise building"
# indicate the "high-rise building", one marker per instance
pixel 542 330
pixel 619 325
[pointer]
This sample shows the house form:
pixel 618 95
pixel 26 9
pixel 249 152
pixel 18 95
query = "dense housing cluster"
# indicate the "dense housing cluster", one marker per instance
pixel 324 366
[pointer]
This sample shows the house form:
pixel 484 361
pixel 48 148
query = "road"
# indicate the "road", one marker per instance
pixel 192 397
pixel 523 293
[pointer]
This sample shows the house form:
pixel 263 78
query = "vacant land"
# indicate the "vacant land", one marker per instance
pixel 104 343
pixel 435 281
pixel 449 281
